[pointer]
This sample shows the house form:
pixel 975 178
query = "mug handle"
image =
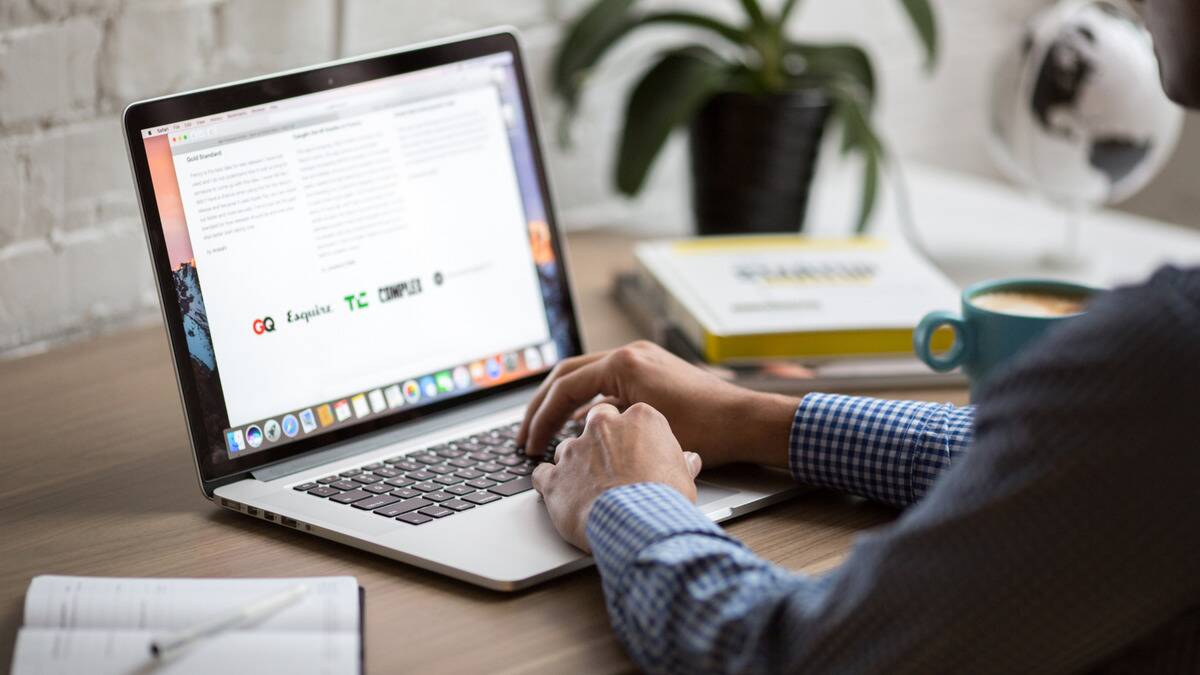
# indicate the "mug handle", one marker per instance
pixel 923 341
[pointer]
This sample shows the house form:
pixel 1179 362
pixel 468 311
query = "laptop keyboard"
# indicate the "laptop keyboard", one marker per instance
pixel 439 481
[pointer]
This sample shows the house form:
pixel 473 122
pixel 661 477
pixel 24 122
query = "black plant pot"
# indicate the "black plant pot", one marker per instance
pixel 753 158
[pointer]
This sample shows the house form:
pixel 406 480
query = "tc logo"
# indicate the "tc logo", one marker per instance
pixel 356 301
pixel 264 325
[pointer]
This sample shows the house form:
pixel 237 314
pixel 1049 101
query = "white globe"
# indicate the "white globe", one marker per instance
pixel 1078 113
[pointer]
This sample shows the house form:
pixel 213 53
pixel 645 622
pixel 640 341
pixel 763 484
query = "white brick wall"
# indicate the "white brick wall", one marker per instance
pixel 72 258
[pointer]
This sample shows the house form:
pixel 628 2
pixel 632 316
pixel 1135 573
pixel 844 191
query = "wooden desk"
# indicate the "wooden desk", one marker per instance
pixel 97 480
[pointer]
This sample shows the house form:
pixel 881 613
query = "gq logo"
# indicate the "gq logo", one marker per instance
pixel 264 325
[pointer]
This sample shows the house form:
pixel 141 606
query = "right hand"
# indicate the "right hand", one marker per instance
pixel 720 421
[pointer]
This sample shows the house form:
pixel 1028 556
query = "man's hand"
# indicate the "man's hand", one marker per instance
pixel 616 449
pixel 722 422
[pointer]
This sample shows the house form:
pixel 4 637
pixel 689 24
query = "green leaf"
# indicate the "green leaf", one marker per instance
pixel 925 22
pixel 846 64
pixel 590 38
pixel 786 11
pixel 858 136
pixel 668 95
pixel 587 39
pixel 757 18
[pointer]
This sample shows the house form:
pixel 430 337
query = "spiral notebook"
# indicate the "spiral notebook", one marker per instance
pixel 105 625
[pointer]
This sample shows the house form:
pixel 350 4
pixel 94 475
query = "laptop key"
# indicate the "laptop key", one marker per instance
pixel 366 479
pixel 350 473
pixel 394 460
pixel 351 496
pixel 415 518
pixel 447 480
pixel 511 460
pixel 514 487
pixel 375 502
pixel 406 493
pixel 459 490
pixel 437 496
pixel 450 453
pixel 372 466
pixel 457 505
pixel 304 487
pixel 501 477
pixel 324 491
pixel 328 479
pixel 378 489
pixel 441 469
pixel 403 507
pixel 461 463
pixel 436 512
pixel 420 475
pixel 344 485
pixel 489 467
pixel 407 465
pixel 520 470
pixel 427 487
pixel 399 482
pixel 468 474
pixel 386 472
pixel 429 459
pixel 481 498
pixel 480 483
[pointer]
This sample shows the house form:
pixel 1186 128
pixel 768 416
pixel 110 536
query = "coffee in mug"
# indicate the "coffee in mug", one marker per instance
pixel 1029 303
pixel 998 320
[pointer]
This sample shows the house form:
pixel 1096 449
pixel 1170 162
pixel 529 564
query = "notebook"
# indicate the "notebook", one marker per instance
pixel 105 625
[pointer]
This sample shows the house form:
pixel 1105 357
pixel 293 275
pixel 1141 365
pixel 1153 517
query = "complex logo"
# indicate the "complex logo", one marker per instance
pixel 263 325
pixel 400 290
pixel 356 300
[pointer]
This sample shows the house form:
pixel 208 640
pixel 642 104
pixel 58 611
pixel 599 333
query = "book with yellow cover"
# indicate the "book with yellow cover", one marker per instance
pixel 789 296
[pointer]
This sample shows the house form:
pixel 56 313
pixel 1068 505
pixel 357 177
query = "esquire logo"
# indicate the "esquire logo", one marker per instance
pixel 307 315
pixel 263 325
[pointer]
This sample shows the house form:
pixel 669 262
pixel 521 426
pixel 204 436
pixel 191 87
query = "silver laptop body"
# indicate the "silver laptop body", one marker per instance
pixel 259 197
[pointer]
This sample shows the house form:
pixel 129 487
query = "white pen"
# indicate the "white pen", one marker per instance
pixel 164 648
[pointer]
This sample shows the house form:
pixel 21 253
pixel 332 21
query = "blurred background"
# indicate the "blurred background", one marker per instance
pixel 73 260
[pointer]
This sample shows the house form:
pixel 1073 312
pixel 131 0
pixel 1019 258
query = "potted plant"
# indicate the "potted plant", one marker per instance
pixel 756 107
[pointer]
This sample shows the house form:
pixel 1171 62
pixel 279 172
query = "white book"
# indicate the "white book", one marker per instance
pixel 790 296
pixel 105 625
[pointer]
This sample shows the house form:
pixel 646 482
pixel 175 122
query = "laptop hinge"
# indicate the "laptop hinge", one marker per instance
pixel 392 436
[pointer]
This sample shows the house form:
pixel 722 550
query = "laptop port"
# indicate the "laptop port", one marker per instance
pixel 231 505
pixel 251 510
pixel 290 522
pixel 269 516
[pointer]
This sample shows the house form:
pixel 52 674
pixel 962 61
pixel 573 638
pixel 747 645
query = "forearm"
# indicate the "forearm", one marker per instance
pixel 887 451
pixel 683 596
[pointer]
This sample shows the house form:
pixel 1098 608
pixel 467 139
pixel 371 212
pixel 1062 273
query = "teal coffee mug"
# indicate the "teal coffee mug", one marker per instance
pixel 999 318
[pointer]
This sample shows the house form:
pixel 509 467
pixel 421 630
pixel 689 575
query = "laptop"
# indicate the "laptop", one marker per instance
pixel 363 282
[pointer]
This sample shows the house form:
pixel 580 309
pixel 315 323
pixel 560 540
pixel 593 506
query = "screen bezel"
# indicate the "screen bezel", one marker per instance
pixel 171 109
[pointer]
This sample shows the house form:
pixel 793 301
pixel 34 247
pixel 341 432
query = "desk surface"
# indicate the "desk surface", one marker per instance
pixel 98 481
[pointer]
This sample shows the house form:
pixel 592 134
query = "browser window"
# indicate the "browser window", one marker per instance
pixel 345 254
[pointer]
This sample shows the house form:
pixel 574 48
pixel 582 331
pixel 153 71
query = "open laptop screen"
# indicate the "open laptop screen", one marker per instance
pixel 350 255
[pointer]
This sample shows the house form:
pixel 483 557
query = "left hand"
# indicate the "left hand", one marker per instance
pixel 615 449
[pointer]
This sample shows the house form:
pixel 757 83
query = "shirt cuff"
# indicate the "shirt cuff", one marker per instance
pixel 627 519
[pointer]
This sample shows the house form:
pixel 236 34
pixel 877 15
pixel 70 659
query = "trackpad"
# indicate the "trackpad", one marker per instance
pixel 707 493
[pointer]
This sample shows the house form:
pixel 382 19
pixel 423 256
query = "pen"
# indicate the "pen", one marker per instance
pixel 166 647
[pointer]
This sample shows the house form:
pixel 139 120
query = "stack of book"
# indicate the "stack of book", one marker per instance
pixel 790 313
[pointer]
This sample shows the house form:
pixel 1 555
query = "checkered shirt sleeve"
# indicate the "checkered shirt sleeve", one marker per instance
pixel 888 451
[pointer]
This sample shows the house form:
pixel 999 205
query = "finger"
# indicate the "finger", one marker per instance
pixel 598 410
pixel 582 412
pixel 563 368
pixel 563 398
pixel 542 475
pixel 694 463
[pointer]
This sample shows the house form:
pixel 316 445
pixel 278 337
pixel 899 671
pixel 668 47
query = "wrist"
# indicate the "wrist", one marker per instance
pixel 764 426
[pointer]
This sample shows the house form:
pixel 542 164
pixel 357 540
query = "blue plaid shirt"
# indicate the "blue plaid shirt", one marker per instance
pixel 1064 541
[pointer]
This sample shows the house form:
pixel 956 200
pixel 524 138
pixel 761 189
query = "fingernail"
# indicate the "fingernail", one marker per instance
pixel 692 459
